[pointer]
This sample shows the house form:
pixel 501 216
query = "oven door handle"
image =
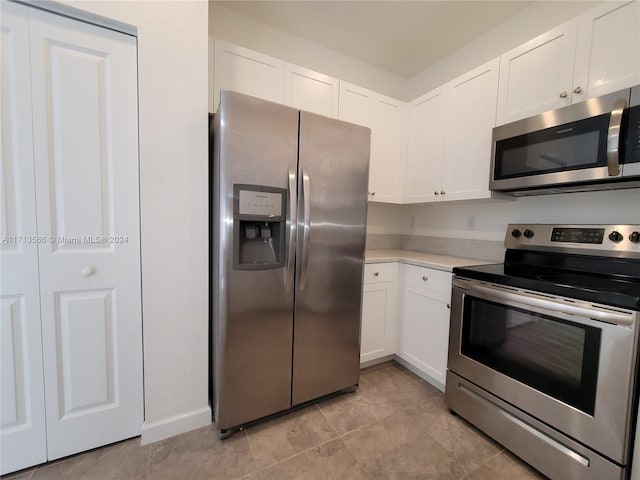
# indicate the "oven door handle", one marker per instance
pixel 530 300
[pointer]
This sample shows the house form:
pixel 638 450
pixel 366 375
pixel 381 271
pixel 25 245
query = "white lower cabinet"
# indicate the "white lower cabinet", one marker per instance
pixel 405 311
pixel 424 322
pixel 379 311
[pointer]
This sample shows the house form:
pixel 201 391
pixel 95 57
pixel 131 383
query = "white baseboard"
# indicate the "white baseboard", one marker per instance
pixel 169 427
pixel 371 363
pixel 425 376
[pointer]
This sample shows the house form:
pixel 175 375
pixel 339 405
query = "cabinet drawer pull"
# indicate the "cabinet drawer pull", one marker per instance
pixel 448 306
pixel 442 192
pixel 436 193
pixel 375 274
pixel 87 271
pixel 425 278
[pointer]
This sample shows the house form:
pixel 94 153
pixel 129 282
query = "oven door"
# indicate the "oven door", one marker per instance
pixel 567 363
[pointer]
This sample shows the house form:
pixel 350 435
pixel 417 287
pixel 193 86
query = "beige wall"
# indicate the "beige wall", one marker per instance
pixel 526 24
pixel 233 27
pixel 172 66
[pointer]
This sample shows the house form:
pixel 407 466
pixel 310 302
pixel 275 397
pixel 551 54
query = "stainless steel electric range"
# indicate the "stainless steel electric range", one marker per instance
pixel 543 349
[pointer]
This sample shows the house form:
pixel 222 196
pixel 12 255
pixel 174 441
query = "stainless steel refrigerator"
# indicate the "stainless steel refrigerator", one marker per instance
pixel 289 210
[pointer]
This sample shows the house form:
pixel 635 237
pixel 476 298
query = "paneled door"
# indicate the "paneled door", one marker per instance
pixel 84 95
pixel 22 430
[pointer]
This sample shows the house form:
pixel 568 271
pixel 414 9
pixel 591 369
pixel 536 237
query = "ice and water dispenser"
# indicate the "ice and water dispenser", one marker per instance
pixel 258 227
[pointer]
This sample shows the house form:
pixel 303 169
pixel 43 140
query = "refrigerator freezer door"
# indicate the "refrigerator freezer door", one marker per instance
pixel 255 144
pixel 332 214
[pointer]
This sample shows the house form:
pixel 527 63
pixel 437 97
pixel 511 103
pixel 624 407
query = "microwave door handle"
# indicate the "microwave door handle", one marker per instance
pixel 613 137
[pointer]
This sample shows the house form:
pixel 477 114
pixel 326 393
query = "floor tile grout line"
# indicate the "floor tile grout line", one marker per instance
pixel 148 461
pixel 335 430
pixel 290 457
pixel 502 450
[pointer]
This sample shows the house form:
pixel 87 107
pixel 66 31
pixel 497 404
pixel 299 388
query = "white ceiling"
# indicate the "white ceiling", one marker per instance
pixel 401 37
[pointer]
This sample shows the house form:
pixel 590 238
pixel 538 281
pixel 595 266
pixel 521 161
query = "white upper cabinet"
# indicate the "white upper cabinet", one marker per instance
pixel 608 50
pixel 310 91
pixel 537 76
pixel 595 54
pixel 387 147
pixel 423 172
pixel 470 117
pixel 248 72
pixel 355 104
pixel 450 139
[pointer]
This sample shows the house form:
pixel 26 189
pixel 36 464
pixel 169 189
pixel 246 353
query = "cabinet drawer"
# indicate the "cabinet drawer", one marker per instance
pixel 434 280
pixel 379 272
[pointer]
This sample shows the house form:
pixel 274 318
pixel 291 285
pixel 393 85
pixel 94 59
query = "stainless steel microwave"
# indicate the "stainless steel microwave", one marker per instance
pixel 592 145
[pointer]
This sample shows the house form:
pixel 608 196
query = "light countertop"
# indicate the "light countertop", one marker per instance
pixel 430 260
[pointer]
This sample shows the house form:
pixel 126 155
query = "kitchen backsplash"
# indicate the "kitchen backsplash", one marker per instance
pixel 457 247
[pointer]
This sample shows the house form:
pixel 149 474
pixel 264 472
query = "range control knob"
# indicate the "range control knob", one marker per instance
pixel 515 233
pixel 615 236
pixel 528 233
pixel 635 237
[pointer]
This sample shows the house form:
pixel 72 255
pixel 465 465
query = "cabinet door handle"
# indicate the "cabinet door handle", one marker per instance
pixel 577 90
pixel 425 278
pixel 442 192
pixel 87 271
pixel 449 306
pixel 563 94
pixel 373 194
pixel 375 274
pixel 436 193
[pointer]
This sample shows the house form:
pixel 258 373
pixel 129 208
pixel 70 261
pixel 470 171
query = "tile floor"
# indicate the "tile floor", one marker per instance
pixel 395 426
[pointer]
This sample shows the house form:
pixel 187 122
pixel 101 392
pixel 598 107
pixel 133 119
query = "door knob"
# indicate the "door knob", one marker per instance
pixel 577 90
pixel 87 271
pixel 563 94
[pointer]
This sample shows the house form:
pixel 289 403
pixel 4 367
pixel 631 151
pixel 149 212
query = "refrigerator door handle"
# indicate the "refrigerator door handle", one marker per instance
pixel 306 232
pixel 293 221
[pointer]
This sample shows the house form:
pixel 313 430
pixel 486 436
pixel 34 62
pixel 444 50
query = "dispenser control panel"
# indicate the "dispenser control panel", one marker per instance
pixel 259 203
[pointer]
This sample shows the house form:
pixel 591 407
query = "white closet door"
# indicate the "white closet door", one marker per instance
pixel 22 431
pixel 84 91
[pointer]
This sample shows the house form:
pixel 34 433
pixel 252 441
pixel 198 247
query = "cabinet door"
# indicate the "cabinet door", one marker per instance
pixel 355 104
pixel 537 76
pixel 85 123
pixel 248 72
pixel 608 50
pixel 423 173
pixel 424 333
pixel 22 431
pixel 377 311
pixel 310 91
pixel 387 142
pixel 471 115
